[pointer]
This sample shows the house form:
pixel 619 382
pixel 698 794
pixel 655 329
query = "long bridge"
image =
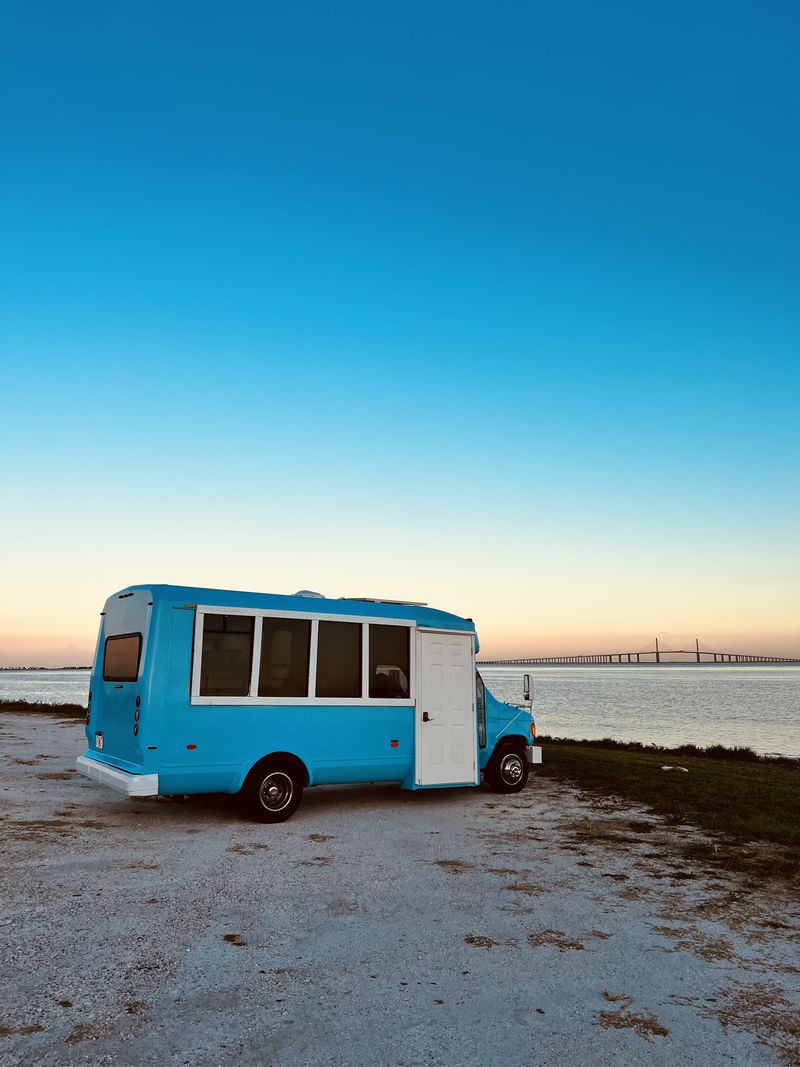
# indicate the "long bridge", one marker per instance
pixel 651 655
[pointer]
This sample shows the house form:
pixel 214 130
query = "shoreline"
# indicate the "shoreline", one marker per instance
pixel 37 669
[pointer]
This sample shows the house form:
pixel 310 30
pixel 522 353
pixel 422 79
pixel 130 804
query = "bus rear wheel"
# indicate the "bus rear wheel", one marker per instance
pixel 273 791
pixel 507 771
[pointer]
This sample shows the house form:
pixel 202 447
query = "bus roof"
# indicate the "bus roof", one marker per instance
pixel 421 614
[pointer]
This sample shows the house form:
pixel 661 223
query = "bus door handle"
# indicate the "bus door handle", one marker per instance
pixel 426 717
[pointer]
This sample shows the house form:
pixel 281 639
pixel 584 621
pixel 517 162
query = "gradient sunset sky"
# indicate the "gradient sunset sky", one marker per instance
pixel 493 305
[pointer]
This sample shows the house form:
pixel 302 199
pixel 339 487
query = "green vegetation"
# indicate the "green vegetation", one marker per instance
pixel 737 752
pixel 40 707
pixel 729 792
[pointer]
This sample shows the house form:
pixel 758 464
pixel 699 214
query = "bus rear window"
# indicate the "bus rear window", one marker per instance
pixel 121 658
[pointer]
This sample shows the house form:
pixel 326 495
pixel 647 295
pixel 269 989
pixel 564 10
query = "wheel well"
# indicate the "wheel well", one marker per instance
pixel 284 758
pixel 514 741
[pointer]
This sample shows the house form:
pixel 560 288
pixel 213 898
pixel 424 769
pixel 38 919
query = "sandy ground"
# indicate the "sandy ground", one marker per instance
pixel 448 927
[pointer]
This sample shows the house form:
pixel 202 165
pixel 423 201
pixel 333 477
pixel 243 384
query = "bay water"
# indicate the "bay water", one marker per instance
pixel 663 704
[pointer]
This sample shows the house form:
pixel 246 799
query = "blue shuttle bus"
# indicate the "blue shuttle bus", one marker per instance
pixel 261 695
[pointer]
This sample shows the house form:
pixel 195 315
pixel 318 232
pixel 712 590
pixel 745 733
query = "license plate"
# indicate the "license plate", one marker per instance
pixel 98 740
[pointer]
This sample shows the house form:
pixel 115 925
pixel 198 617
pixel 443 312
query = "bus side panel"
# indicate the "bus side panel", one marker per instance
pixel 355 744
pixel 206 749
pixel 211 748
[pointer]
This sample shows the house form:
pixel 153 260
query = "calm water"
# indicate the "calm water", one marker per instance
pixel 756 706
pixel 665 705
pixel 56 687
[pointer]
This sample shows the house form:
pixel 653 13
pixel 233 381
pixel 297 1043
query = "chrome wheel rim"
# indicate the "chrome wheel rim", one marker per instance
pixel 276 791
pixel 511 769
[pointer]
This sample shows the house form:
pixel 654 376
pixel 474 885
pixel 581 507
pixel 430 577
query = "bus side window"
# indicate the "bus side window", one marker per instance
pixel 285 647
pixel 227 655
pixel 339 659
pixel 480 693
pixel 389 666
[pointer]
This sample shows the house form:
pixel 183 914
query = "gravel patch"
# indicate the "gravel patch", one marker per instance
pixel 446 928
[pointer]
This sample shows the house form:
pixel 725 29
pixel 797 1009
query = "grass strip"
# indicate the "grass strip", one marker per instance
pixel 718 752
pixel 742 799
pixel 43 707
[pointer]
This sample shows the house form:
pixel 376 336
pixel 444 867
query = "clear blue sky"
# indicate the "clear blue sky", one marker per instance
pixel 492 305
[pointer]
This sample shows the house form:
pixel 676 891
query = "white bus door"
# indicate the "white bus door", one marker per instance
pixel 446 741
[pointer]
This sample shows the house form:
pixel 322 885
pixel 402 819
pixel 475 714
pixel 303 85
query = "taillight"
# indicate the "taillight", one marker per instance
pixel 89 706
pixel 533 730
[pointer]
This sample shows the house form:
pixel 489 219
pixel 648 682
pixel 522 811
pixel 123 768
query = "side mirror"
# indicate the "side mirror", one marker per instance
pixel 527 687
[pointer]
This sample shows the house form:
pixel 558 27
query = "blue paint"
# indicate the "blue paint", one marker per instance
pixel 336 743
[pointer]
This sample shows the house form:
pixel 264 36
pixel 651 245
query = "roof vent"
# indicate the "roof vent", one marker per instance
pixel 311 593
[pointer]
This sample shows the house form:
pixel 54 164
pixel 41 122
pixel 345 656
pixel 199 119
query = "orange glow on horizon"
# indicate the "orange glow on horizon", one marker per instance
pixel 60 650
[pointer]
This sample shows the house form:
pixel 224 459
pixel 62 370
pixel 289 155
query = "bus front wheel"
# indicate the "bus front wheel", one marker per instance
pixel 273 791
pixel 507 771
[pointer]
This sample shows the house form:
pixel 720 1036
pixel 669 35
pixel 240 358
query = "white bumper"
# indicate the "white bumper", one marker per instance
pixel 534 754
pixel 132 785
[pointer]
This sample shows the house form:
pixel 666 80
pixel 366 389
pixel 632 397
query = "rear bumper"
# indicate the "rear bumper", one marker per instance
pixel 534 754
pixel 132 785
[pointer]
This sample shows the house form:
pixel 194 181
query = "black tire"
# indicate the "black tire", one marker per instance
pixel 273 791
pixel 507 771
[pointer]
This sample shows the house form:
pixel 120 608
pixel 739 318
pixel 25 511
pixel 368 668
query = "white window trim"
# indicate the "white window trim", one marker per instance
pixel 365 662
pixel 312 665
pixel 195 699
pixel 255 666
